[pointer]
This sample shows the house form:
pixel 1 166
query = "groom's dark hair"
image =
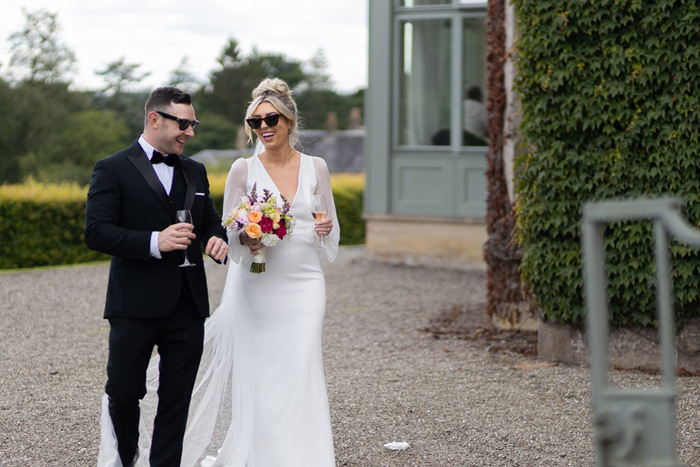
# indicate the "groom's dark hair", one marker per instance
pixel 160 98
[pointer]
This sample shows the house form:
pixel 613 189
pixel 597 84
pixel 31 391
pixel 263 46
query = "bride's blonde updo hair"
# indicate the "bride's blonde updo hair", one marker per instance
pixel 276 92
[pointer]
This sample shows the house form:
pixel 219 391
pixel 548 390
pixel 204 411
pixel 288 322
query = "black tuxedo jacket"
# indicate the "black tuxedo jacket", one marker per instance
pixel 126 203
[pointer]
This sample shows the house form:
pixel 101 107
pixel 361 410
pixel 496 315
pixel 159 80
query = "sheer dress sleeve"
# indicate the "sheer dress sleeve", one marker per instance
pixel 323 186
pixel 234 192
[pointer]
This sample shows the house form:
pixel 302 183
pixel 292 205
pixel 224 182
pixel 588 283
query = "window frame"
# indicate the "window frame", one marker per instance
pixel 456 13
pixel 454 4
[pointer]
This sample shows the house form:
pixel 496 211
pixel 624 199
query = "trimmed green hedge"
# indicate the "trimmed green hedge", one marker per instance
pixel 349 206
pixel 43 224
pixel 610 110
pixel 43 234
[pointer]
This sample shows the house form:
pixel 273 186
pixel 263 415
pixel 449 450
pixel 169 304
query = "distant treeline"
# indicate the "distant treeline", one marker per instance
pixel 52 133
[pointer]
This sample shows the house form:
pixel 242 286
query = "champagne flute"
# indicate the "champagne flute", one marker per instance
pixel 319 211
pixel 184 215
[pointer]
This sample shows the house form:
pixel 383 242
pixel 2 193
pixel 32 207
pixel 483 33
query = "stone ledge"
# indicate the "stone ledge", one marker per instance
pixel 439 243
pixel 628 348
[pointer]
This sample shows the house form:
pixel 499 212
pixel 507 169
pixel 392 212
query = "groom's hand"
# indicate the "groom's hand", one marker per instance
pixel 176 237
pixel 216 248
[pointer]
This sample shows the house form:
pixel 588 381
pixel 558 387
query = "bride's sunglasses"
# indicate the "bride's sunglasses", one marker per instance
pixel 270 120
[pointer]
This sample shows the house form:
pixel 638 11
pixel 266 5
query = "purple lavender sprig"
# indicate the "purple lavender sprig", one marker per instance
pixel 285 207
pixel 267 195
pixel 253 196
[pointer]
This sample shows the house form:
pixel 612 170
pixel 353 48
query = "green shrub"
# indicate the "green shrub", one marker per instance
pixel 610 110
pixel 43 225
pixel 348 192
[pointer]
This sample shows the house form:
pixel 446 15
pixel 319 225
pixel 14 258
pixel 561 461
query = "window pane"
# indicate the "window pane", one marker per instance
pixel 424 113
pixel 474 82
pixel 412 3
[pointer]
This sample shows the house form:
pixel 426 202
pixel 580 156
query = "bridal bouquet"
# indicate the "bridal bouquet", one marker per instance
pixel 261 218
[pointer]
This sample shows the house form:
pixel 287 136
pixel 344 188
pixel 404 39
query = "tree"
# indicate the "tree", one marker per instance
pixel 126 106
pixel 33 113
pixel 10 139
pixel 214 132
pixel 182 78
pixel 230 87
pixel 314 107
pixel 317 77
pixel 37 53
pixel 88 136
pixel 119 74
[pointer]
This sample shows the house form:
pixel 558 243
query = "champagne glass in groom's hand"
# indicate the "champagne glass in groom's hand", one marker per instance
pixel 184 215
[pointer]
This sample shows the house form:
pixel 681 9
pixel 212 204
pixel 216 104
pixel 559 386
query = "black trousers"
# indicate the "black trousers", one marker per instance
pixel 179 338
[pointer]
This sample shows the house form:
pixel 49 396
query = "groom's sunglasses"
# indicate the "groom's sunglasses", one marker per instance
pixel 270 120
pixel 183 123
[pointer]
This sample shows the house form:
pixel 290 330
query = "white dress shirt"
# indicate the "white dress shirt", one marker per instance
pixel 165 175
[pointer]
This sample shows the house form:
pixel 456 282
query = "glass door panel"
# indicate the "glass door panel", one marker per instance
pixel 474 82
pixel 425 82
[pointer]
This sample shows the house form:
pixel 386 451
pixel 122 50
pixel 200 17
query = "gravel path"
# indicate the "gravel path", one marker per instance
pixel 454 401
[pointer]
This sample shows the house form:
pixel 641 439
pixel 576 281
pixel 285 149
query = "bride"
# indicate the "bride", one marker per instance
pixel 267 331
pixel 263 343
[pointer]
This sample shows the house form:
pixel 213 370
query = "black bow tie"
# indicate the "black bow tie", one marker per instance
pixel 168 160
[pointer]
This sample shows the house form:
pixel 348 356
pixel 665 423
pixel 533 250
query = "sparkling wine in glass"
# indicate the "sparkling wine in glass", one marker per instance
pixel 319 211
pixel 184 215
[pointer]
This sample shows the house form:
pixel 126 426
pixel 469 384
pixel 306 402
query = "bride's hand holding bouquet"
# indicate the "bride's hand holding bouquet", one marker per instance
pixel 260 223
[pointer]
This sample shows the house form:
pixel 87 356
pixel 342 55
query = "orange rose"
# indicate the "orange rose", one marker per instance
pixel 254 216
pixel 253 230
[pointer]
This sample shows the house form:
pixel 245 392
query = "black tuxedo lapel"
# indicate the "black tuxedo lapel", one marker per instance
pixel 189 181
pixel 143 165
pixel 178 190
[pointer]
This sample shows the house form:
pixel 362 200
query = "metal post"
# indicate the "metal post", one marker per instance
pixel 633 427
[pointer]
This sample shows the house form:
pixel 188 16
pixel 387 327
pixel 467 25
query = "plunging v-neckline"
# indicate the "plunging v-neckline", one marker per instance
pixel 275 185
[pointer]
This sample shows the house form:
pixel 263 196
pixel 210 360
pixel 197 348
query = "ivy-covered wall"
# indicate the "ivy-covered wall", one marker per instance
pixel 611 109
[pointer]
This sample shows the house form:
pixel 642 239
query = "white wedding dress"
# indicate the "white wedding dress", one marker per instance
pixel 262 369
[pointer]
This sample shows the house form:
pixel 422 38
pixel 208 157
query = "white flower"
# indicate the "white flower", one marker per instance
pixel 269 240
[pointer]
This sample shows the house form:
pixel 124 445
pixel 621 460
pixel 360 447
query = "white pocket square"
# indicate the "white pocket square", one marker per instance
pixel 199 194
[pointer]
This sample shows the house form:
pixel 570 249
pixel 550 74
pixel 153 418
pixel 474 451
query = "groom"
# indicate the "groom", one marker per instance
pixel 131 214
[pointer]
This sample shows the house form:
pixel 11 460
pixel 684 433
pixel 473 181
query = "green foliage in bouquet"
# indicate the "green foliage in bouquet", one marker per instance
pixel 610 110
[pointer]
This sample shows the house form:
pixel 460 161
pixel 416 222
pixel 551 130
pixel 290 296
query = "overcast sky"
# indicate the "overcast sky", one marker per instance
pixel 159 33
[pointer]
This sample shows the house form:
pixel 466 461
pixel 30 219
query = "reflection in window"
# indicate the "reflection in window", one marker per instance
pixel 474 82
pixel 425 82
